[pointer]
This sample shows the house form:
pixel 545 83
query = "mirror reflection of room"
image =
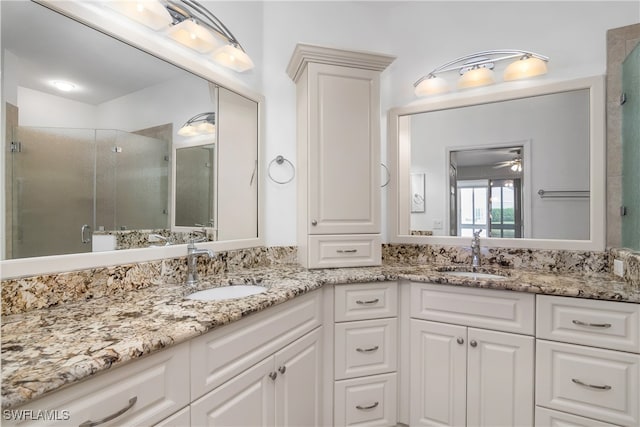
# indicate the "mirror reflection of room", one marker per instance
pixel 108 133
pixel 512 169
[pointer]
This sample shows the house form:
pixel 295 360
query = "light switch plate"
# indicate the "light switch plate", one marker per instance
pixel 618 267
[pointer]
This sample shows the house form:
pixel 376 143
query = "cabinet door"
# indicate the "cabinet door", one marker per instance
pixel 438 374
pixel 246 400
pixel 344 153
pixel 500 379
pixel 299 382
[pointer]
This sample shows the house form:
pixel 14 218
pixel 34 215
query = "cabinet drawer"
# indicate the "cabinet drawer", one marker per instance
pixel 548 418
pixel 326 251
pixel 179 419
pixel 152 388
pixel 364 348
pixel 483 308
pixel 608 324
pixel 369 401
pixel 363 301
pixel 226 352
pixel 595 383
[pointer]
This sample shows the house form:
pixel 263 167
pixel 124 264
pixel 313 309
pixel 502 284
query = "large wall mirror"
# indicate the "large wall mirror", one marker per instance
pixel 522 165
pixel 133 153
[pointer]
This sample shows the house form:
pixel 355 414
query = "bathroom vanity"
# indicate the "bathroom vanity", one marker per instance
pixel 337 347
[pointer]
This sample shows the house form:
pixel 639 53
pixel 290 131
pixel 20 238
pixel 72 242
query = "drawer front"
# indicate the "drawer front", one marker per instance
pixel 179 419
pixel 366 347
pixel 363 301
pixel 150 390
pixel 548 418
pixel 608 324
pixel 482 308
pixel 345 250
pixel 591 382
pixel 369 401
pixel 226 352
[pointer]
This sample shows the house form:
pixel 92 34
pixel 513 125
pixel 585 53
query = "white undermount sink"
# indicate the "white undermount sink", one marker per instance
pixel 475 275
pixel 226 292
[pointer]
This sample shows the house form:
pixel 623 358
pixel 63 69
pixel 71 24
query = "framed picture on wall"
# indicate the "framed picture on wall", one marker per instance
pixel 417 193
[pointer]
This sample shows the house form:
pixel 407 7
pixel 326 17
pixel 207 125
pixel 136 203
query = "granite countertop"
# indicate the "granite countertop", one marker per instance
pixel 43 350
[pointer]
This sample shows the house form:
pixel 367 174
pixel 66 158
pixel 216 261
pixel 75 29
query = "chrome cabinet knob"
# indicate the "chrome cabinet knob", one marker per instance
pixel 460 340
pixel 273 375
pixel 473 343
pixel 314 222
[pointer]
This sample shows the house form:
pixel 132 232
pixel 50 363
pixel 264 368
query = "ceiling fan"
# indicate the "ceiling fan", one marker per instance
pixel 515 164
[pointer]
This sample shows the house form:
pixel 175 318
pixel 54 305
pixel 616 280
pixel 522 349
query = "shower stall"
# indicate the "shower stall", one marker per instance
pixel 67 183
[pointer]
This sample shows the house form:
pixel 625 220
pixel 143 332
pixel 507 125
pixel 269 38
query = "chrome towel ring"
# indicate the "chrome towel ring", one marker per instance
pixel 280 160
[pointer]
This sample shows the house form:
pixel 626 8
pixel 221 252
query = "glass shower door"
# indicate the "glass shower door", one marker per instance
pixel 631 150
pixel 52 194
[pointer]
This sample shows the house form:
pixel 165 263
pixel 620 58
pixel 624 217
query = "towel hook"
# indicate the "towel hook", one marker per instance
pixel 281 160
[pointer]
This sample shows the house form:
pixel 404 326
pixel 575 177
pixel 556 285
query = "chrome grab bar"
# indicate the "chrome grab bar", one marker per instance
pixel 367 350
pixel 593 325
pixel 90 423
pixel 364 408
pixel 373 301
pixel 597 387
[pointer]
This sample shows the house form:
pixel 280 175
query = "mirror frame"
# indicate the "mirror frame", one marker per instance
pixel 399 161
pixel 96 16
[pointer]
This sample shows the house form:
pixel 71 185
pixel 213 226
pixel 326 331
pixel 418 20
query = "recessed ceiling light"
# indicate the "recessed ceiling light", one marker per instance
pixel 63 86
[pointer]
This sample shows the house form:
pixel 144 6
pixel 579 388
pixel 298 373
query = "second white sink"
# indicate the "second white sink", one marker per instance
pixel 475 275
pixel 226 292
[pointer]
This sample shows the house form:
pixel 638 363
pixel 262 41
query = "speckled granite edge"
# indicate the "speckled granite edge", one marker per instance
pixel 44 350
pixel 631 260
pixel 35 292
pixel 19 295
pixel 530 259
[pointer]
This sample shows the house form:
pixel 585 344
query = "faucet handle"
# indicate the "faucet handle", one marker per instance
pixel 476 233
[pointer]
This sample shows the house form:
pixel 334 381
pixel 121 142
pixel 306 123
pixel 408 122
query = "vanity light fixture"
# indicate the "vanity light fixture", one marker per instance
pixel 477 70
pixel 200 124
pixel 191 24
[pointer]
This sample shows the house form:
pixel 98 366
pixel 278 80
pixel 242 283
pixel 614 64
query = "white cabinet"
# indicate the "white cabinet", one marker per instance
pixel 338 132
pixel 140 393
pixel 282 390
pixel 573 375
pixel 365 354
pixel 464 375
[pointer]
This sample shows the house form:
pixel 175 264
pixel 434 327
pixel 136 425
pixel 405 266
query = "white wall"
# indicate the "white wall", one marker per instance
pixel 45 110
pixel 423 35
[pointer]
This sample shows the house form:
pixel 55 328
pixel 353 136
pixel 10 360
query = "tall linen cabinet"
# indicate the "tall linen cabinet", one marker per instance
pixel 338 133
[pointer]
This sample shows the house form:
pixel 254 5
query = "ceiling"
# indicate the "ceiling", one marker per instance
pixel 51 46
pixel 486 157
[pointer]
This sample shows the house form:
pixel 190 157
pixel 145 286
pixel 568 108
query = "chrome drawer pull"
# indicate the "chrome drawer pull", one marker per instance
pixel 347 251
pixel 593 325
pixel 90 423
pixel 371 301
pixel 364 408
pixel 597 387
pixel 367 350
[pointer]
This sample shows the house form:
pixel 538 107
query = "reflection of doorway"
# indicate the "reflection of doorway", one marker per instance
pixel 490 205
pixel 505 218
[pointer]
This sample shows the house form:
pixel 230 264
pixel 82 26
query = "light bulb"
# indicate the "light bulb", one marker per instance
pixel 525 68
pixel 233 57
pixel 431 86
pixel 476 77
pixel 193 36
pixel 150 13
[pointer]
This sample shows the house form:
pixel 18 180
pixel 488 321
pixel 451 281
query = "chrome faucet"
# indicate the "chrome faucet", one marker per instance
pixel 192 261
pixel 153 237
pixel 475 249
